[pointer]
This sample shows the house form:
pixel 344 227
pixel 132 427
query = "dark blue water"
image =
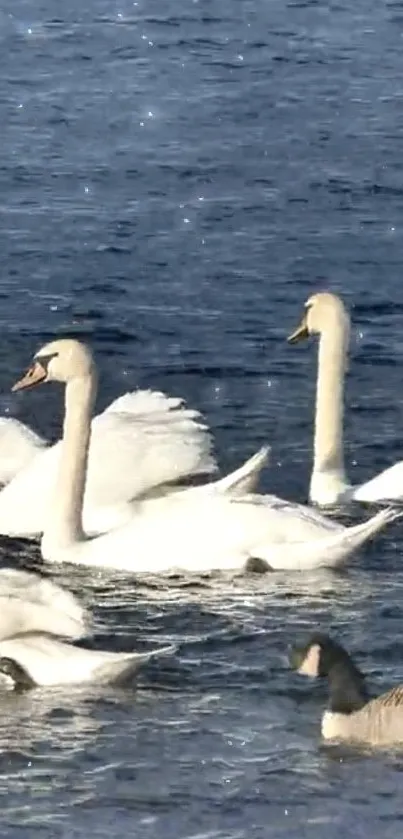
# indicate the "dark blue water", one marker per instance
pixel 175 179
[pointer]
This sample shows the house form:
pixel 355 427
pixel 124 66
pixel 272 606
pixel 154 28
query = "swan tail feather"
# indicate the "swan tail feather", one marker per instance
pixel 330 551
pixel 123 666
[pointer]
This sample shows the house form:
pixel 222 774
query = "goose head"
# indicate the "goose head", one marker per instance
pixel 59 361
pixel 323 657
pixel 317 656
pixel 322 312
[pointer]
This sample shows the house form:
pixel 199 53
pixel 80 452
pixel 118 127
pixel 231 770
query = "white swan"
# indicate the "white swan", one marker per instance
pixel 35 614
pixel 195 530
pixel 167 440
pixel 170 439
pixel 141 441
pixel 144 444
pixel 326 315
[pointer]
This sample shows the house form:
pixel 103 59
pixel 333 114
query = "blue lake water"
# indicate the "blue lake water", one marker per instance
pixel 175 179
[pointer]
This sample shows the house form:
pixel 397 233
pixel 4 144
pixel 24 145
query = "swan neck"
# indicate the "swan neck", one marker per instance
pixel 329 415
pixel 64 526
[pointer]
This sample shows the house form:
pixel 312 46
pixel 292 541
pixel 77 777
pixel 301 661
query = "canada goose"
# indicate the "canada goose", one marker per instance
pixel 351 713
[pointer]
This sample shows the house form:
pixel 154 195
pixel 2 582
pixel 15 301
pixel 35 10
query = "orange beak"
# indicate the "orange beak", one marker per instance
pixel 34 376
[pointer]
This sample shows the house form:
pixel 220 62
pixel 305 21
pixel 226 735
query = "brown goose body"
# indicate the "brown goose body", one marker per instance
pixel 379 722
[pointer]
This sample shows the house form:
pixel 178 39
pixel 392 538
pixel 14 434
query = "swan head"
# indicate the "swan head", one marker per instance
pixel 322 312
pixel 58 361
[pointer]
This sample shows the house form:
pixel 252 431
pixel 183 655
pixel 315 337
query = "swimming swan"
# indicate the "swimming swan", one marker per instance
pixel 171 438
pixel 35 614
pixel 141 441
pixel 351 714
pixel 326 315
pixel 142 438
pixel 195 530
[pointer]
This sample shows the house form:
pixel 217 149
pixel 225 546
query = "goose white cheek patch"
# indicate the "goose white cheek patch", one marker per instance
pixel 310 664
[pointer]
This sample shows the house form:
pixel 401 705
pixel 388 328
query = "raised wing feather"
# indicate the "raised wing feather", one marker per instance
pixel 18 446
pixel 151 440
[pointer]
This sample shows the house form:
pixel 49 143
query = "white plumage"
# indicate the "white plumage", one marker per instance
pixel 196 530
pixel 326 315
pixel 35 614
pixel 143 440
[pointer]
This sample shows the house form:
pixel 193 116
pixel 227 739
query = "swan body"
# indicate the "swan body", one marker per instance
pixel 35 615
pixel 50 662
pixel 196 530
pixel 142 440
pixel 218 534
pixel 25 501
pixel 326 315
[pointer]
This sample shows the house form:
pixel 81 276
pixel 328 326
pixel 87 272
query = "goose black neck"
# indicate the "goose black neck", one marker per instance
pixel 347 689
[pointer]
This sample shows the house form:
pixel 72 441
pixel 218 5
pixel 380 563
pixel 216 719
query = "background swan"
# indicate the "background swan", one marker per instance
pixel 326 316
pixel 35 614
pixel 195 530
